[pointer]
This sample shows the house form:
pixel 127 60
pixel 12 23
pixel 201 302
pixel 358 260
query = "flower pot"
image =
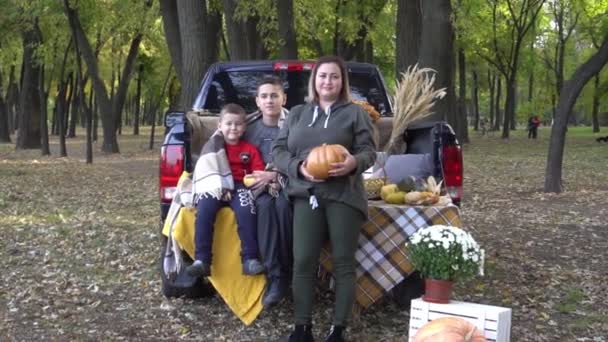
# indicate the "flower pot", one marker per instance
pixel 437 291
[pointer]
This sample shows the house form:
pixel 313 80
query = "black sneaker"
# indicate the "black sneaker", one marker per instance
pixel 252 267
pixel 199 269
pixel 335 334
pixel 301 333
pixel 274 293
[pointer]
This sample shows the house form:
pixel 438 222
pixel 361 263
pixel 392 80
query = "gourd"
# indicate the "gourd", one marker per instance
pixel 320 158
pixel 396 198
pixel 248 180
pixel 449 329
pixel 387 190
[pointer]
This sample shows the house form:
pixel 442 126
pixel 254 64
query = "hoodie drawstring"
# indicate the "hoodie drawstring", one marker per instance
pixel 315 115
pixel 328 115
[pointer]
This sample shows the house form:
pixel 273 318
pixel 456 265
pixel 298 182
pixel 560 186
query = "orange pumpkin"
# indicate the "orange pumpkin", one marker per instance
pixel 449 329
pixel 320 158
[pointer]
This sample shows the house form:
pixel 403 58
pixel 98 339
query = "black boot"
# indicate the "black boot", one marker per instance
pixel 302 333
pixel 274 293
pixel 335 334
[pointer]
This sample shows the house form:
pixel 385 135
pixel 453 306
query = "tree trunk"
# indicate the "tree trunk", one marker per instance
pixel 153 111
pixel 4 123
pixel 44 129
pixel 136 110
pixel 168 10
pixel 497 103
pixel 110 108
pixel 236 33
pixel 492 88
pixel 4 134
pixel 12 101
pixel 127 72
pixel 110 144
pixel 437 52
pixel 256 49
pixel 82 104
pixel 530 86
pixel 192 33
pixel 475 99
pixel 61 110
pixel 95 119
pixel 515 98
pixel 462 131
pixel 531 77
pixel 596 104
pixel 287 32
pixel 408 31
pixel 509 107
pixel 75 111
pixel 567 99
pixel 29 136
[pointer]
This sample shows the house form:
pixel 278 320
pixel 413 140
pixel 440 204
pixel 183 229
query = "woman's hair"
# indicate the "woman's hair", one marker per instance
pixel 271 79
pixel 344 95
pixel 232 108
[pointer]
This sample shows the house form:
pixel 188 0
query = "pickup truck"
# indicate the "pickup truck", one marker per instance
pixel 236 82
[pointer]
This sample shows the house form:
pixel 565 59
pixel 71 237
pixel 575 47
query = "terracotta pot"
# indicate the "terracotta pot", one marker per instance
pixel 437 291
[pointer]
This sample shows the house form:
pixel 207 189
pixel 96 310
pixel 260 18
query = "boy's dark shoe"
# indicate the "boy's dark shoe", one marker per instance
pixel 252 267
pixel 302 333
pixel 275 292
pixel 199 269
pixel 335 334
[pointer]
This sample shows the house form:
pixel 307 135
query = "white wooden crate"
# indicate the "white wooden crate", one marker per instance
pixel 494 321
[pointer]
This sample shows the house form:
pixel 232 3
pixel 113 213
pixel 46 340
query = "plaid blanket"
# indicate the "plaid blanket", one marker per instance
pixel 212 175
pixel 382 260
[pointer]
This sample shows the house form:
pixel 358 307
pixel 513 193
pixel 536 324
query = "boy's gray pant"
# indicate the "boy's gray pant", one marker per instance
pixel 275 234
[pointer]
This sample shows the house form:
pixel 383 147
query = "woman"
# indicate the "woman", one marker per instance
pixel 336 207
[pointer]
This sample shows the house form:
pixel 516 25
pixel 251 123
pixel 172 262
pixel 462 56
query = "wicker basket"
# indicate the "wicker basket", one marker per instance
pixel 373 187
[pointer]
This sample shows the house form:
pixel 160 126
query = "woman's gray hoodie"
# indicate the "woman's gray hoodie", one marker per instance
pixel 308 126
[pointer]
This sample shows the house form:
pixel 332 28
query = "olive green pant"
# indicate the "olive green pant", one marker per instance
pixel 311 228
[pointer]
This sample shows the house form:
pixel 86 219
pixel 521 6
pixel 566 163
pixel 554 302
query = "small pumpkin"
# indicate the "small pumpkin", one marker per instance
pixel 449 329
pixel 320 158
pixel 248 180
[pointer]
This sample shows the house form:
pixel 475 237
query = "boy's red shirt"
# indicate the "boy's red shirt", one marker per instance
pixel 238 168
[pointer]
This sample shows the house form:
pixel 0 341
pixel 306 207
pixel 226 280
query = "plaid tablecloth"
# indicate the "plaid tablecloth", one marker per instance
pixel 382 261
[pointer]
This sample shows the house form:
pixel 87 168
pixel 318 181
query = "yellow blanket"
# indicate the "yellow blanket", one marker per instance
pixel 242 293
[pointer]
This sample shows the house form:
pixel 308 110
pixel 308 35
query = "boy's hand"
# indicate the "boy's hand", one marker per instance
pixel 263 178
pixel 226 196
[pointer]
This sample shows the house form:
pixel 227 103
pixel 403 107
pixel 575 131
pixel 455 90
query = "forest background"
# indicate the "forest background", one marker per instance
pixel 120 64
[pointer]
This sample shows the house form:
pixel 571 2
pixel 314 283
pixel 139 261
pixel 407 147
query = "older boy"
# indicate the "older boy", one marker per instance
pixel 274 214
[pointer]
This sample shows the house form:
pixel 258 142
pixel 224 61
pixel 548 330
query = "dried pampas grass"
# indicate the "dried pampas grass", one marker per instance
pixel 413 100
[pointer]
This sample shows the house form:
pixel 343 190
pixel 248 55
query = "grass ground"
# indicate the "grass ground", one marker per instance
pixel 79 248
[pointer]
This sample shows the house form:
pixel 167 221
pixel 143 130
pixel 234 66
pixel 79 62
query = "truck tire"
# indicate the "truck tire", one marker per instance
pixel 411 287
pixel 184 285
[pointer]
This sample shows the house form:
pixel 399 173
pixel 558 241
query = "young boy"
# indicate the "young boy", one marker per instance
pixel 218 181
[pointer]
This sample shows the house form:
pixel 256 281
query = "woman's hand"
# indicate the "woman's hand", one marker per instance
pixel 344 168
pixel 263 178
pixel 308 176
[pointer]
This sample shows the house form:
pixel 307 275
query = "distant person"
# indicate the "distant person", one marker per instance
pixel 217 182
pixel 533 124
pixel 483 125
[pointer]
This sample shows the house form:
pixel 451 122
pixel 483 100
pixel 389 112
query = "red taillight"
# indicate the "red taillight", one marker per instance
pixel 452 171
pixel 171 168
pixel 293 66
